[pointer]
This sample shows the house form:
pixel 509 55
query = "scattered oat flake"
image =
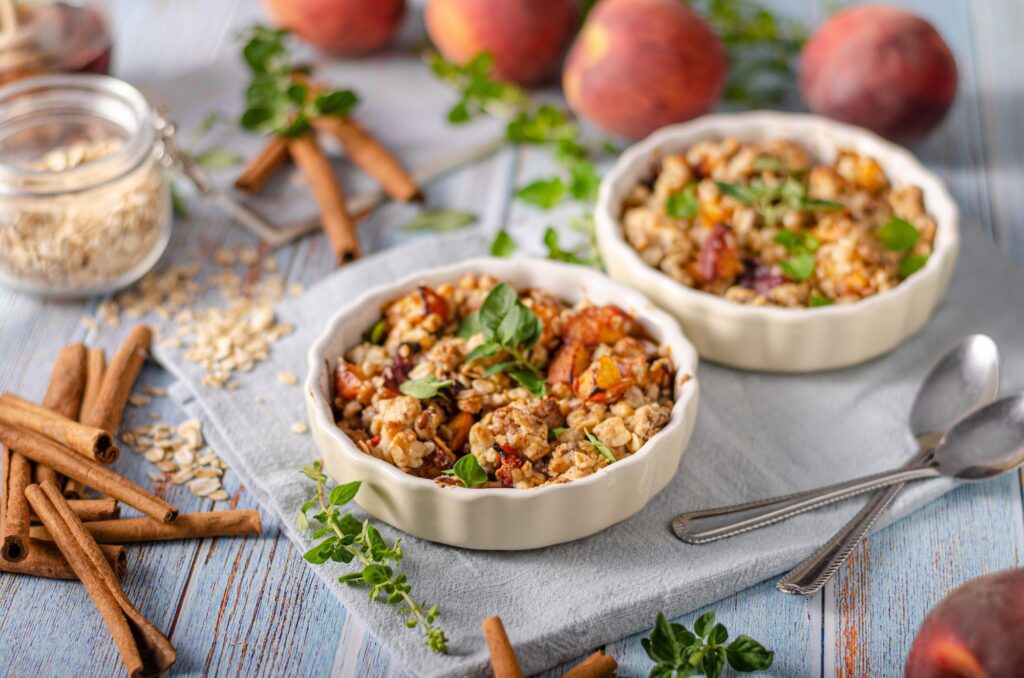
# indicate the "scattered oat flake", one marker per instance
pixel 155 392
pixel 202 487
pixel 89 323
pixel 299 427
pixel 219 495
pixel 137 400
pixel 287 378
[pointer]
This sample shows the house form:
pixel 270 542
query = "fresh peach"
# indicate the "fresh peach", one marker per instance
pixel 974 632
pixel 882 68
pixel 638 65
pixel 527 38
pixel 341 27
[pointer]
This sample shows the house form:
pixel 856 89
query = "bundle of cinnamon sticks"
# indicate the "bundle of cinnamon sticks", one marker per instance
pixel 505 664
pixel 365 151
pixel 49 454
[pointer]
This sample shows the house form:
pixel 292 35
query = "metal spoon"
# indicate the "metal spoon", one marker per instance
pixel 985 444
pixel 963 380
pixel 947 394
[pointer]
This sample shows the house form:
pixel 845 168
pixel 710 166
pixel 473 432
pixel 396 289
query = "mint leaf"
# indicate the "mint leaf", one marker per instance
pixel 817 300
pixel 702 627
pixel 544 193
pixel 470 325
pixel 555 251
pixel 503 245
pixel 530 380
pixel 496 306
pixel 799 267
pixel 600 447
pixel 343 494
pixel 742 193
pixel 425 387
pixel 683 204
pixel 439 221
pixel 584 180
pixel 790 240
pixel 336 103
pixel 912 263
pixel 898 235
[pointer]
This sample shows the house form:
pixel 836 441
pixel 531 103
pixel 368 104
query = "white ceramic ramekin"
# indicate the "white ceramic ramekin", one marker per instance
pixel 771 338
pixel 501 518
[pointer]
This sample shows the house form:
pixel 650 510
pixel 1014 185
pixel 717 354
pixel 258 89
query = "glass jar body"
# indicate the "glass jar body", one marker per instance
pixel 85 208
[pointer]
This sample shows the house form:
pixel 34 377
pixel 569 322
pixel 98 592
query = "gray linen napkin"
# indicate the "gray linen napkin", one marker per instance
pixel 757 435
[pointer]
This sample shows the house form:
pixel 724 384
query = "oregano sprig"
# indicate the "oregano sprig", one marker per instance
pixel 677 652
pixel 344 538
pixel 510 329
pixel 277 102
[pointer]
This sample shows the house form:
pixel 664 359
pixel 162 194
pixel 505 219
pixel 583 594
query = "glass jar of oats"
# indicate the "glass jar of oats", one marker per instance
pixel 84 206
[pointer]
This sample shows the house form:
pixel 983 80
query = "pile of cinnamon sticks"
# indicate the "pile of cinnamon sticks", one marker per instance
pixel 365 151
pixel 50 454
pixel 505 664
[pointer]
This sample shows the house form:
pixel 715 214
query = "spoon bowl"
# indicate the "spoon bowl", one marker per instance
pixel 985 444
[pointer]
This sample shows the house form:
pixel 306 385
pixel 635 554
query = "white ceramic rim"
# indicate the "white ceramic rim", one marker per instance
pixel 632 301
pixel 609 229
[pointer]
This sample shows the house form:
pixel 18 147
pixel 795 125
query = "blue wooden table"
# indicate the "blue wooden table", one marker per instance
pixel 252 607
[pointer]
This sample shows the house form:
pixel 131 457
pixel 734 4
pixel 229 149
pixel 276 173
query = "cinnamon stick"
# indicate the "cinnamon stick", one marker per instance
pixel 187 526
pixel 89 510
pixel 118 379
pixel 503 657
pixel 64 396
pixel 258 171
pixel 45 560
pixel 372 157
pixel 144 650
pixel 15 476
pixel 88 472
pixel 89 441
pixel 96 365
pixel 597 665
pixel 334 216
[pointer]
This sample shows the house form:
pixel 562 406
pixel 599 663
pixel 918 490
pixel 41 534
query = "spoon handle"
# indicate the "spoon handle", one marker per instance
pixel 811 575
pixel 701 527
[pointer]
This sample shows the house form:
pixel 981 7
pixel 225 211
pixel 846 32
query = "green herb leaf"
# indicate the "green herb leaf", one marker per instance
pixel 439 221
pixel 737 191
pixel 530 380
pixel 799 267
pixel 336 103
pixel 344 539
pixel 544 193
pixel 218 158
pixel 584 180
pixel 767 163
pixel 503 245
pixel 713 662
pixel 498 303
pixel 178 205
pixel 424 387
pixel 601 448
pixel 746 654
pixel 898 235
pixel 817 300
pixel 702 627
pixel 556 253
pixel 468 470
pixel 683 204
pixel 812 205
pixel 912 263
pixel 470 325
pixel 790 240
pixel 377 332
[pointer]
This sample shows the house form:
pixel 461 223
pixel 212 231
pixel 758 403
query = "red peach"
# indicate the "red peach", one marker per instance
pixel 638 65
pixel 882 68
pixel 974 632
pixel 341 27
pixel 527 38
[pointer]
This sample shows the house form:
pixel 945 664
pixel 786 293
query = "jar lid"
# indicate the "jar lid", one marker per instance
pixel 43 113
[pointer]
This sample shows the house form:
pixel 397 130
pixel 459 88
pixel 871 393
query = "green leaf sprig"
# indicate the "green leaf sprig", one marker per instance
pixel 275 102
pixel 425 388
pixel 772 200
pixel 468 470
pixel 801 247
pixel 761 49
pixel 677 652
pixel 344 538
pixel 510 329
pixel 503 245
